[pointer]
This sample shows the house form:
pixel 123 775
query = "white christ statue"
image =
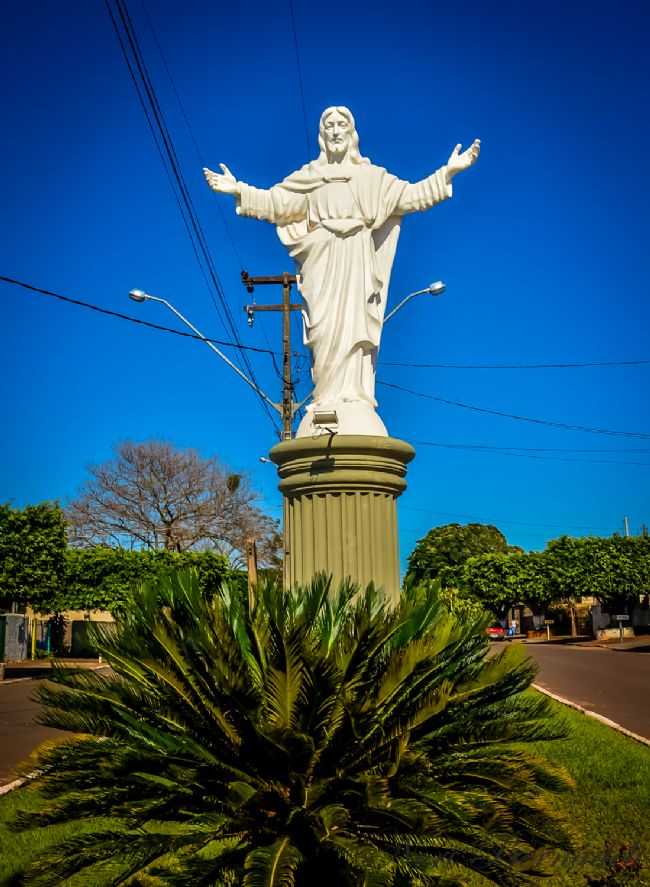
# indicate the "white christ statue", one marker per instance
pixel 339 217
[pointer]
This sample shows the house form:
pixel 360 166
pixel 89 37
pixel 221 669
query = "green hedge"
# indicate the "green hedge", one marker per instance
pixel 102 578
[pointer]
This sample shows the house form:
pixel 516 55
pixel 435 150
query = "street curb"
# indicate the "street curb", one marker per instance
pixel 593 714
pixel 10 786
pixel 44 677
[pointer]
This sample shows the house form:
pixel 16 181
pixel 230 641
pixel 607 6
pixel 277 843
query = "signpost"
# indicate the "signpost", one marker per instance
pixel 548 623
pixel 621 618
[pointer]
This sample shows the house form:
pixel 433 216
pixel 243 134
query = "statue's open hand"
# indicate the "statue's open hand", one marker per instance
pixel 458 162
pixel 224 183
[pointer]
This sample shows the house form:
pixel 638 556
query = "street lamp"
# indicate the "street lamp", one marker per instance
pixel 140 296
pixel 136 295
pixel 436 288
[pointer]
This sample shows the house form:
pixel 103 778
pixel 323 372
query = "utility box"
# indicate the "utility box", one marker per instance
pixel 16 637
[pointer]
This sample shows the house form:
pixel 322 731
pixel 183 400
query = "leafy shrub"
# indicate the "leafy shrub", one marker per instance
pixel 103 578
pixel 304 739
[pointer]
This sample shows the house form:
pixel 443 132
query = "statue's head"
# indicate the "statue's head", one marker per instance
pixel 338 137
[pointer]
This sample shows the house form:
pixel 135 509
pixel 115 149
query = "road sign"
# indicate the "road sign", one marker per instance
pixel 623 617
pixel 549 622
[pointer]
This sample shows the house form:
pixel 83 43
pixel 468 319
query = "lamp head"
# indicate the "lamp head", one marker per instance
pixel 325 417
pixel 138 295
pixel 437 288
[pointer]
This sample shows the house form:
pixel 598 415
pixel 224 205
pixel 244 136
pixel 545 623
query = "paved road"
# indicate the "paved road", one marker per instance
pixel 614 684
pixel 18 733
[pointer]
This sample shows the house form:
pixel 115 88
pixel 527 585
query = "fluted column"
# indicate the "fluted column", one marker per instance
pixel 340 512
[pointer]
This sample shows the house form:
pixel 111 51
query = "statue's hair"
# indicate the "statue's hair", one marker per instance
pixel 354 152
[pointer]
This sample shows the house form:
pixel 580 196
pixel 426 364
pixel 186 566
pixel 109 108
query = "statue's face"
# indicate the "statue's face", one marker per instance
pixel 337 134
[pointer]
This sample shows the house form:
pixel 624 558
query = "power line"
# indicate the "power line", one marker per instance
pixel 466 446
pixel 190 129
pixel 510 451
pixel 130 318
pixel 546 422
pixel 516 366
pixel 156 140
pixel 161 133
pixel 503 520
pixel 201 159
pixel 192 223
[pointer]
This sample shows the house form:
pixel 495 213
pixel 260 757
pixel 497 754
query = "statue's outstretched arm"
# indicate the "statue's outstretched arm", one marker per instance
pixel 275 205
pixel 423 195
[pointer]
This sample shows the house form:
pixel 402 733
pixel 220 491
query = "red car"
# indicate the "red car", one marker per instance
pixel 496 632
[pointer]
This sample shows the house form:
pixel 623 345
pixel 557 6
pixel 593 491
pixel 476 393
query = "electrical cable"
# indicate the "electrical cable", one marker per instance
pixel 491 412
pixel 490 447
pixel 494 521
pixel 190 129
pixel 476 447
pixel 202 163
pixel 197 235
pixel 504 451
pixel 155 137
pixel 173 158
pixel 517 366
pixel 131 319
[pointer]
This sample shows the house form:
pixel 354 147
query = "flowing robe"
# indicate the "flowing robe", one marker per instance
pixel 341 226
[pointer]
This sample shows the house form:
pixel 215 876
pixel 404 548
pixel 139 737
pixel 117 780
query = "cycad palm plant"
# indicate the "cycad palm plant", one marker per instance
pixel 308 739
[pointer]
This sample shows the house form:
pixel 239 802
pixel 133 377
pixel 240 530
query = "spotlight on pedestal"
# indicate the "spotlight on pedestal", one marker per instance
pixel 325 417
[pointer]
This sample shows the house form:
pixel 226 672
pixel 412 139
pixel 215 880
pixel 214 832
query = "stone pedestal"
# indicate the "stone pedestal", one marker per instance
pixel 340 512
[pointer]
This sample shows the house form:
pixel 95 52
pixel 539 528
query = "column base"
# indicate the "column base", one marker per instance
pixel 340 512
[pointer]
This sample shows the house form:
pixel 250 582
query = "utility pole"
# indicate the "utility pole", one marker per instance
pixel 285 281
pixel 251 568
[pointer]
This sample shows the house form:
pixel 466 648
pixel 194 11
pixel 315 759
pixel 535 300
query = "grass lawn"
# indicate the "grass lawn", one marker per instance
pixel 611 804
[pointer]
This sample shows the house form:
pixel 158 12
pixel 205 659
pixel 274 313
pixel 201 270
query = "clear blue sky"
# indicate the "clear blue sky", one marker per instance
pixel 544 247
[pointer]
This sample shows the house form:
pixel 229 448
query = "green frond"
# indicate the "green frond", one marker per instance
pixel 272 866
pixel 286 684
pixel 307 738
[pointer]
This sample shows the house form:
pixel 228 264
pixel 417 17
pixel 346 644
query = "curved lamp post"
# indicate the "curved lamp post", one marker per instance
pixel 140 296
pixel 434 289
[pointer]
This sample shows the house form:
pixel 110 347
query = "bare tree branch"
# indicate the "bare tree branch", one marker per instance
pixel 153 495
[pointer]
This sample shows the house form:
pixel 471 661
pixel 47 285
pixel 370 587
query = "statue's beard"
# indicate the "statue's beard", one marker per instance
pixel 337 154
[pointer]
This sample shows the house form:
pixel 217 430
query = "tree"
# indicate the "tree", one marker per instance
pixel 304 740
pixel 565 561
pixel 32 552
pixel 492 579
pixel 531 580
pixel 615 570
pixel 152 495
pixel 444 550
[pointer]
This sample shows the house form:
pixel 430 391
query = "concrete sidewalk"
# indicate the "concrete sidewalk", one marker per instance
pixel 638 644
pixel 633 645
